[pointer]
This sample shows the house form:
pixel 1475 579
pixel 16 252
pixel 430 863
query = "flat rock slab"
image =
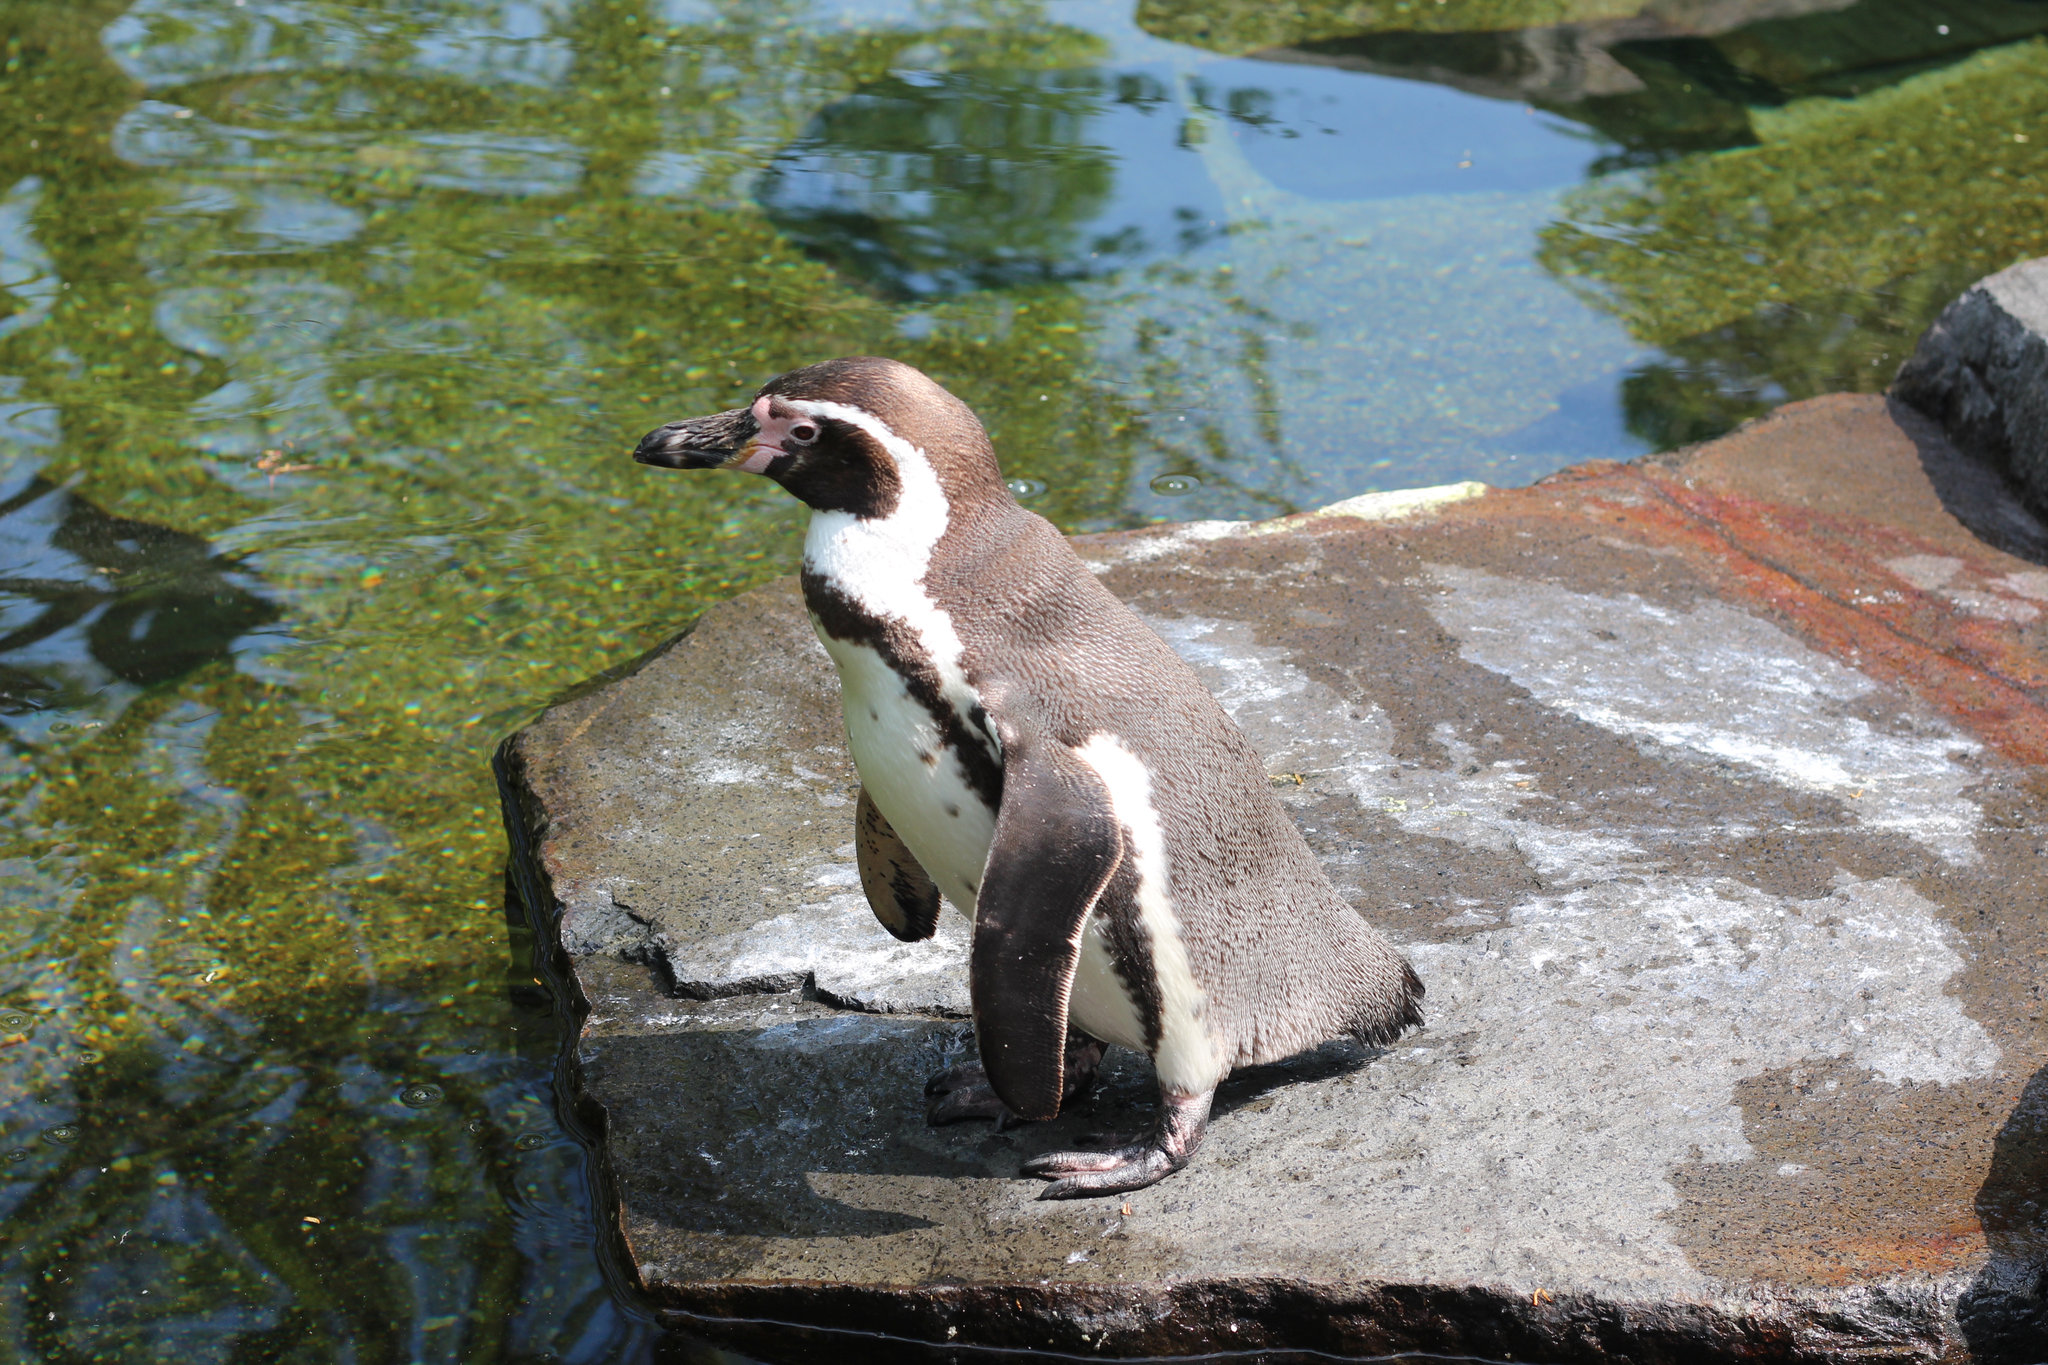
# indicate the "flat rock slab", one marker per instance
pixel 1707 796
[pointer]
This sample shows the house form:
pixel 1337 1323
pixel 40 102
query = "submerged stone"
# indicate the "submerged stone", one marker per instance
pixel 1704 794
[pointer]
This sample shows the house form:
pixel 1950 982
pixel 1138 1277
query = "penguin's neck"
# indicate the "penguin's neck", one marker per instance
pixel 926 753
pixel 865 581
pixel 878 564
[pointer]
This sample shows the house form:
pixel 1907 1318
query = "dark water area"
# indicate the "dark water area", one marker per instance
pixel 325 329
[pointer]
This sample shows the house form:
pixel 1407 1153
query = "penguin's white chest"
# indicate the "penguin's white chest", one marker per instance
pixel 875 567
pixel 914 779
pixel 921 787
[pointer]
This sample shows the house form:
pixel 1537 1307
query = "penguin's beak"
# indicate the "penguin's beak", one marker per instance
pixel 700 442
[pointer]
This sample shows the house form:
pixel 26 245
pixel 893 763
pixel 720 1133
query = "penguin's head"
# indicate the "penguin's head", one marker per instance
pixel 843 436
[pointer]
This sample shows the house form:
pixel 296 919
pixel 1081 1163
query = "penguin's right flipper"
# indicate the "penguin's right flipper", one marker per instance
pixel 1057 844
pixel 900 892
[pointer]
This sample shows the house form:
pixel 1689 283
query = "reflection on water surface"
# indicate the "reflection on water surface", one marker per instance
pixel 324 328
pixel 94 607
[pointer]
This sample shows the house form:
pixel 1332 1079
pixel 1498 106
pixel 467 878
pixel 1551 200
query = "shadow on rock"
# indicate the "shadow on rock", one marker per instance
pixel 815 1127
pixel 1250 1087
pixel 2004 1314
pixel 1973 490
pixel 778 1117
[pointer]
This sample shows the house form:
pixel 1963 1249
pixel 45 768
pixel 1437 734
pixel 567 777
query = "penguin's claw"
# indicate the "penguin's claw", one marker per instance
pixel 963 1092
pixel 1132 1166
pixel 954 1078
pixel 1082 1174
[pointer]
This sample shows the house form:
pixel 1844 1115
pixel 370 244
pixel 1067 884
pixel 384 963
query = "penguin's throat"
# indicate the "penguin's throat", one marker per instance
pixel 864 579
pixel 922 656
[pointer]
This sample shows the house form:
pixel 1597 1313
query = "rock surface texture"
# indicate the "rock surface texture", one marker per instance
pixel 1982 371
pixel 1706 794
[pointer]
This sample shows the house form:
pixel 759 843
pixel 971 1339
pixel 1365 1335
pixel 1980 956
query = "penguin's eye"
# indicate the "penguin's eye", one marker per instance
pixel 803 433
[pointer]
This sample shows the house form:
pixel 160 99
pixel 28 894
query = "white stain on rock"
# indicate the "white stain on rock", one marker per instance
pixel 836 944
pixel 1590 1040
pixel 1302 726
pixel 726 773
pixel 1929 573
pixel 1164 543
pixel 1579 1054
pixel 2000 600
pixel 1717 682
pixel 2028 583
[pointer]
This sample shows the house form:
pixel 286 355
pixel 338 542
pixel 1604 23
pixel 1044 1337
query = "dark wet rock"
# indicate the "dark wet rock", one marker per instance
pixel 2005 1313
pixel 1705 793
pixel 1982 371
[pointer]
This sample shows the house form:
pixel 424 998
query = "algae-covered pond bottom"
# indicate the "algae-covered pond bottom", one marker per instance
pixel 325 328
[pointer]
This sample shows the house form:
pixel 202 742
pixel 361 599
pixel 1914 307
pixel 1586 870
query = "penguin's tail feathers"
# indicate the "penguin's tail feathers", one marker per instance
pixel 1391 1014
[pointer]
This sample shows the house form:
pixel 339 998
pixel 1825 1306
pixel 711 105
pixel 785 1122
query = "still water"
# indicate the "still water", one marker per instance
pixel 325 328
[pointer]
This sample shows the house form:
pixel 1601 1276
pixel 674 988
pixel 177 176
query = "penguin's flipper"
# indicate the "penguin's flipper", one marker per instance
pixel 900 892
pixel 1057 844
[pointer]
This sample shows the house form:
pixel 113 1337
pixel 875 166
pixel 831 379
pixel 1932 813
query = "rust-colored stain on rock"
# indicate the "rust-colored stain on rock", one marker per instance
pixel 1898 589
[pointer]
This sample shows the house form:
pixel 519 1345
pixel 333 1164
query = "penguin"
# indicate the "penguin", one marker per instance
pixel 1032 752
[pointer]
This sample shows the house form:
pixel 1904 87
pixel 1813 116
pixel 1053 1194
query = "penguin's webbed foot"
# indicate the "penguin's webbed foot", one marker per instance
pixel 963 1092
pixel 1167 1148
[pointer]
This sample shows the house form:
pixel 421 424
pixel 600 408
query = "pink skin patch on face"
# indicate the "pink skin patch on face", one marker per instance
pixel 763 449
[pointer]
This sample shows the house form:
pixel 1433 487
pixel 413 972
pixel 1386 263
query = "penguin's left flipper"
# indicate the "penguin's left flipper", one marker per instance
pixel 1168 1147
pixel 900 892
pixel 1057 844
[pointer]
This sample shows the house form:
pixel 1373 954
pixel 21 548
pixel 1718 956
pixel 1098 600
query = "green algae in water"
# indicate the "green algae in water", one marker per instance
pixel 1838 198
pixel 1810 262
pixel 1248 25
pixel 324 332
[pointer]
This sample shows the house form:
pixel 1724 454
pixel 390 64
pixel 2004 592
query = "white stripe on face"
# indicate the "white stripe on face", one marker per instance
pixel 1188 1060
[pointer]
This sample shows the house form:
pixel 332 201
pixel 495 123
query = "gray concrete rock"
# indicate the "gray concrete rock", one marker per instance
pixel 1706 799
pixel 711 804
pixel 1982 371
